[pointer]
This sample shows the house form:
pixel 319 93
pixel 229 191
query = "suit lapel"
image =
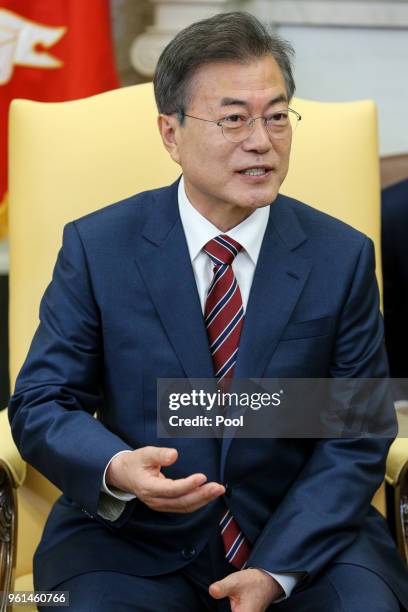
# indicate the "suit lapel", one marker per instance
pixel 164 263
pixel 278 281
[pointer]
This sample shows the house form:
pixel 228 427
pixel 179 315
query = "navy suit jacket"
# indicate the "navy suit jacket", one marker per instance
pixel 394 226
pixel 122 310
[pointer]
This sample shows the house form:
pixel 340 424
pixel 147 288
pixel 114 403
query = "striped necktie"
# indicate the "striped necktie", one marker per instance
pixel 224 317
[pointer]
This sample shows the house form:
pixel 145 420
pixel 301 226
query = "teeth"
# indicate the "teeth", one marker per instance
pixel 255 171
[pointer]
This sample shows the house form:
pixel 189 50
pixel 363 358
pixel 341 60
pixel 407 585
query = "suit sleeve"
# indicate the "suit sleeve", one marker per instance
pixel 59 388
pixel 322 512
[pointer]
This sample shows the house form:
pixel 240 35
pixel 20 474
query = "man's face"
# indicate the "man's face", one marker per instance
pixel 212 166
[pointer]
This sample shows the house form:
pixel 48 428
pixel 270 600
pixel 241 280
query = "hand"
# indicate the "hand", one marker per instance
pixel 249 590
pixel 138 472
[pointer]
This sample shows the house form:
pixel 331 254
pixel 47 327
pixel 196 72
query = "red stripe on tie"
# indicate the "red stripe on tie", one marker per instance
pixel 241 556
pixel 236 546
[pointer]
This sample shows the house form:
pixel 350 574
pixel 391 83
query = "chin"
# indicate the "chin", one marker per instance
pixel 258 201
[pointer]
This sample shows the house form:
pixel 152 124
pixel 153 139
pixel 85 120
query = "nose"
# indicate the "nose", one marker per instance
pixel 259 139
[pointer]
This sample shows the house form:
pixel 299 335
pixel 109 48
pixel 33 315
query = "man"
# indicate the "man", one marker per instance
pixel 394 229
pixel 241 524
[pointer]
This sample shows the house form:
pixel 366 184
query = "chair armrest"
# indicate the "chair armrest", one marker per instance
pixel 397 461
pixel 10 458
pixel 8 533
pixel 397 486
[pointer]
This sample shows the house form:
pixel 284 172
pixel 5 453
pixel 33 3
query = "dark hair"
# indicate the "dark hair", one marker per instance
pixel 234 37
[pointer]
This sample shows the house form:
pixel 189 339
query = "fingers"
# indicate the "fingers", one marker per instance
pixel 157 455
pixel 230 587
pixel 167 487
pixel 225 587
pixel 249 590
pixel 189 502
pixel 166 494
pixel 216 591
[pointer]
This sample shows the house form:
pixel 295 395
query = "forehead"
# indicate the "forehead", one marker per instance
pixel 253 81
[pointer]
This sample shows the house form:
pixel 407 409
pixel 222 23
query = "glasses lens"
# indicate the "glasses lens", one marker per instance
pixel 282 124
pixel 236 134
pixel 279 125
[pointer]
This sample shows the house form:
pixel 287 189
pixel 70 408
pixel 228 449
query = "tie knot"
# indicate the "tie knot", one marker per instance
pixel 222 249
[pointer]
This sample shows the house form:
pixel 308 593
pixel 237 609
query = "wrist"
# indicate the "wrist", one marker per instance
pixel 114 476
pixel 274 587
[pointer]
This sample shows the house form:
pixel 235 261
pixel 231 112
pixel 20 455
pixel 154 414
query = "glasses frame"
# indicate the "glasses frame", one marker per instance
pixel 250 122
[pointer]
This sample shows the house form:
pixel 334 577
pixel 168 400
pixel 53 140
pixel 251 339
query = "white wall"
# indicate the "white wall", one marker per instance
pixel 339 63
pixel 346 49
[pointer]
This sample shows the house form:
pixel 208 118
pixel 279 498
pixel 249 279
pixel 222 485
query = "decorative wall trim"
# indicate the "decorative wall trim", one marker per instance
pixel 4 256
pixel 363 13
pixel 170 16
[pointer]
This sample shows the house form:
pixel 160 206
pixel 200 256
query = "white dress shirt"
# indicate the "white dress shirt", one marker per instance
pixel 198 231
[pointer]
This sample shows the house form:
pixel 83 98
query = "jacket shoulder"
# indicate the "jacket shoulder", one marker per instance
pixel 321 226
pixel 130 212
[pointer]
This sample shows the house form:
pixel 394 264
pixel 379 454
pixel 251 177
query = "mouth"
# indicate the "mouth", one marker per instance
pixel 256 172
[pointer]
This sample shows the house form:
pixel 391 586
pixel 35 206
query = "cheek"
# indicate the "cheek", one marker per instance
pixel 197 153
pixel 283 154
pixel 210 161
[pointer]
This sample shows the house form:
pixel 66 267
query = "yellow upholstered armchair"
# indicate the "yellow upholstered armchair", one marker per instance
pixel 70 158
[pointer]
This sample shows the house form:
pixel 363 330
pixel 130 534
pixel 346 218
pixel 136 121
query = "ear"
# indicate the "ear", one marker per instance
pixel 169 127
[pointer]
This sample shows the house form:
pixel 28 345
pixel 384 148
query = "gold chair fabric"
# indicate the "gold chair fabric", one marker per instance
pixel 70 158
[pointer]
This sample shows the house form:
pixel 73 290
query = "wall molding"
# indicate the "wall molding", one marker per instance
pixel 170 16
pixel 345 13
pixel 4 256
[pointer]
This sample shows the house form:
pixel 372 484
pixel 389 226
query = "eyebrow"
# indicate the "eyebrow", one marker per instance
pixel 237 102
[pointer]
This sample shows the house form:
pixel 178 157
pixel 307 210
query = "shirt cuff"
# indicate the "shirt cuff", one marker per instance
pixel 286 581
pixel 113 491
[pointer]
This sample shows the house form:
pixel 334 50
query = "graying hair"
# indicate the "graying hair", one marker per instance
pixel 233 37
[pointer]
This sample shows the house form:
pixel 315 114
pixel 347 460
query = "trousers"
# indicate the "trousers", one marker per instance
pixel 341 588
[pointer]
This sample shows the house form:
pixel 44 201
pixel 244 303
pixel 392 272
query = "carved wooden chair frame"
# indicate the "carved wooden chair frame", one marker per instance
pixel 397 512
pixel 8 533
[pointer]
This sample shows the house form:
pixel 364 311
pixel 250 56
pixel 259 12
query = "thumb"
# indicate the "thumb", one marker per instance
pixel 223 588
pixel 160 455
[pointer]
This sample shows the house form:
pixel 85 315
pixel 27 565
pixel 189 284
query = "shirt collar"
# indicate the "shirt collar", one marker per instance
pixel 198 230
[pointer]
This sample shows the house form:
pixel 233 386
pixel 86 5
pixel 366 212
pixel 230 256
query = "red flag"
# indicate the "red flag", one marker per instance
pixel 51 51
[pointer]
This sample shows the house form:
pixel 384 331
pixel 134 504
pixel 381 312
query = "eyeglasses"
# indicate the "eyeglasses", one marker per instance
pixel 238 127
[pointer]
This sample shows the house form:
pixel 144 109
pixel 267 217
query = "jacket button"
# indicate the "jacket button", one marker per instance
pixel 228 490
pixel 188 552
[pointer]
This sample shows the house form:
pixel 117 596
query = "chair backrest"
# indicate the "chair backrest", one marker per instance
pixel 67 159
pixel 70 158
